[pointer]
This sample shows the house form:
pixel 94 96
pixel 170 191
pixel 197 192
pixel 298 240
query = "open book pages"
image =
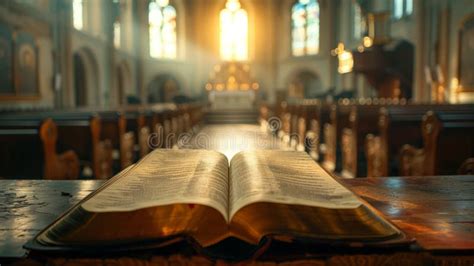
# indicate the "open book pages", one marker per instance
pixel 168 177
pixel 287 177
pixel 202 177
pixel 171 195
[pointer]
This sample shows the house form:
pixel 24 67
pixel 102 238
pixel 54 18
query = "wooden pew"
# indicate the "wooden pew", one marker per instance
pixel 139 121
pixel 362 120
pixel 196 115
pixel 266 118
pixel 448 140
pixel 338 120
pixel 467 167
pixel 192 116
pixel 98 134
pixel 169 137
pixel 29 149
pixel 312 133
pixel 172 121
pixel 306 126
pixel 157 127
pixel 20 145
pixel 398 125
pixel 81 132
pixel 323 117
pixel 294 110
pixel 350 121
pixel 57 166
pixel 114 128
pixel 285 118
pixel 299 124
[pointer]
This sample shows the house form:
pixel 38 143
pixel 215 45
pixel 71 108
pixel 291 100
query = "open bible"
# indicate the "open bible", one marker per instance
pixel 198 195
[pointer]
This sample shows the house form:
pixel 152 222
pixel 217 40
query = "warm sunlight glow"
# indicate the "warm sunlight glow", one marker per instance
pixel 345 58
pixel 234 32
pixel 78 14
pixel 346 62
pixel 454 83
pixel 367 41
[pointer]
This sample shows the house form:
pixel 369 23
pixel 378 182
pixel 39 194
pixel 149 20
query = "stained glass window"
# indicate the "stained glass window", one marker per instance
pixel 305 27
pixel 162 29
pixel 402 8
pixel 234 32
pixel 408 7
pixel 78 14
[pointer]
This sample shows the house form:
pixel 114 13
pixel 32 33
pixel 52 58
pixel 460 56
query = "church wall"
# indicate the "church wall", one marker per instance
pixel 461 10
pixel 321 64
pixel 424 28
pixel 98 90
pixel 21 17
pixel 270 56
pixel 345 34
pixel 180 68
pixel 200 53
pixel 126 63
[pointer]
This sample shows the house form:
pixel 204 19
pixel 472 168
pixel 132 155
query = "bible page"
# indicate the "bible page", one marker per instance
pixel 168 177
pixel 287 177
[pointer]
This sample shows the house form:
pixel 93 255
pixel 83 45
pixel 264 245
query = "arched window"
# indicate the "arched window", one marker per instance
pixel 402 8
pixel 305 27
pixel 78 14
pixel 234 32
pixel 359 23
pixel 117 24
pixel 117 37
pixel 162 29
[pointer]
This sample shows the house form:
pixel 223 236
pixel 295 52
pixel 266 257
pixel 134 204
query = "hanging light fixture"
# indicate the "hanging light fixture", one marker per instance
pixel 346 61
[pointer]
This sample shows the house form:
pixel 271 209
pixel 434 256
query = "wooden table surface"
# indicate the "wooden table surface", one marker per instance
pixel 28 206
pixel 437 211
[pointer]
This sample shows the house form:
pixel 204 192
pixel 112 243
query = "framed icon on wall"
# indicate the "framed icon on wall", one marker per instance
pixel 466 50
pixel 26 65
pixel 6 61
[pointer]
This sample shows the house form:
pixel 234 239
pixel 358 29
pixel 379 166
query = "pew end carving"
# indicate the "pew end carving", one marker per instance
pixel 349 154
pixel 329 147
pixel 301 134
pixel 375 156
pixel 313 139
pixel 422 161
pixel 127 143
pixel 467 167
pixel 102 151
pixel 57 166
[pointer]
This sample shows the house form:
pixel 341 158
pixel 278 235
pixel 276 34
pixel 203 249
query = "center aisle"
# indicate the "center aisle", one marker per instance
pixel 231 139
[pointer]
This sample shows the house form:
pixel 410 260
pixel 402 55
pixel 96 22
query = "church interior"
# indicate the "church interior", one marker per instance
pixel 373 97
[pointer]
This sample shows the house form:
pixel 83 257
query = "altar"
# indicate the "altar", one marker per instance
pixel 227 100
pixel 231 87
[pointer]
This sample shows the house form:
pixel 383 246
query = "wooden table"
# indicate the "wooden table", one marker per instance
pixel 27 206
pixel 437 211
